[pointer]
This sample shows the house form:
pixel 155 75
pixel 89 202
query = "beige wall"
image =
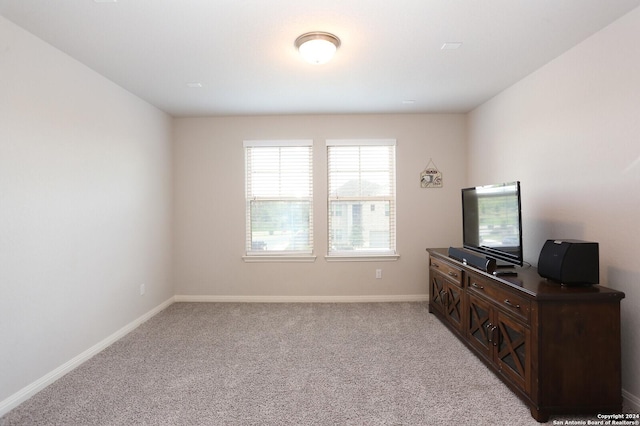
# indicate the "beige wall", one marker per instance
pixel 85 209
pixel 209 226
pixel 570 133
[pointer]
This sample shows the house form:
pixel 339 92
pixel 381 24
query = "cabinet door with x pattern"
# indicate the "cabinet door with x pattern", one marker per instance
pixel 513 350
pixel 500 339
pixel 480 325
pixel 446 297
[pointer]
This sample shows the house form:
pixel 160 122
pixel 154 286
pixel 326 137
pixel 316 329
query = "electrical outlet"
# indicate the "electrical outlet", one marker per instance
pixel 378 273
pixel 142 289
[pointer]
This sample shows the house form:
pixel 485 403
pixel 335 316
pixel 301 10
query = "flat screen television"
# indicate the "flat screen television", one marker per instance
pixel 492 222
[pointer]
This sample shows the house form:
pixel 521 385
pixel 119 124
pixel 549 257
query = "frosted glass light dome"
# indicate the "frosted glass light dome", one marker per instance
pixel 317 47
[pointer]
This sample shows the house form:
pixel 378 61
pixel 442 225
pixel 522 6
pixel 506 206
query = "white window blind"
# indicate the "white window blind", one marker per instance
pixel 279 197
pixel 362 197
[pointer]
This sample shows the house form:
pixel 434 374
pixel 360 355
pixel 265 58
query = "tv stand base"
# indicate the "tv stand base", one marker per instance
pixel 557 348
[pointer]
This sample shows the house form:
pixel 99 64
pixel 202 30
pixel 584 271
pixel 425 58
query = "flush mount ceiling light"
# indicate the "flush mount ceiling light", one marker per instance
pixel 317 47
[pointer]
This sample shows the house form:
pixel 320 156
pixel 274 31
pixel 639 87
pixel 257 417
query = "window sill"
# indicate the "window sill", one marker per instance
pixel 363 258
pixel 276 258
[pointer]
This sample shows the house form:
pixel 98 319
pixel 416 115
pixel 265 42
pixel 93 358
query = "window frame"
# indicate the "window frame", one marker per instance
pixel 252 255
pixel 370 254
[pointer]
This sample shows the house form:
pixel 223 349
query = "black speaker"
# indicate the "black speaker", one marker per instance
pixel 570 262
pixel 474 259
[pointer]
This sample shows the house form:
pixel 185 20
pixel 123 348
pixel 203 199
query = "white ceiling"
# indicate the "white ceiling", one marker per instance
pixel 242 53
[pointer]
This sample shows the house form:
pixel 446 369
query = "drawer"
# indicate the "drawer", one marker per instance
pixel 452 272
pixel 508 300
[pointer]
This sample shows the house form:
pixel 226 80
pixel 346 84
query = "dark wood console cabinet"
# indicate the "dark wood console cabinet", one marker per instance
pixel 558 348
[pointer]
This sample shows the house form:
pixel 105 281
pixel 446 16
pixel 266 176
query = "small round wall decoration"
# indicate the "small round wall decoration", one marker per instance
pixel 431 177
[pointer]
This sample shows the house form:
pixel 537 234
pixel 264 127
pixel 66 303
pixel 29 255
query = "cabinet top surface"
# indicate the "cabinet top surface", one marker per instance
pixel 528 281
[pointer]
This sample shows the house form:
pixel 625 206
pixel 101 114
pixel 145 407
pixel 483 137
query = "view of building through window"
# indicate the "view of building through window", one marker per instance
pixel 361 197
pixel 279 197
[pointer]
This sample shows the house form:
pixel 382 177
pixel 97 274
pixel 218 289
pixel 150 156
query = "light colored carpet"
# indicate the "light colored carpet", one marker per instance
pixel 280 364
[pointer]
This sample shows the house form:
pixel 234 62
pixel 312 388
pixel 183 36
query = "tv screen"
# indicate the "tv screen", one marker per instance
pixel 492 222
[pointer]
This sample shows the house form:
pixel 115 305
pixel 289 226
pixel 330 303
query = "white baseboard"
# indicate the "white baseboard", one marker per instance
pixel 631 401
pixel 35 387
pixel 305 299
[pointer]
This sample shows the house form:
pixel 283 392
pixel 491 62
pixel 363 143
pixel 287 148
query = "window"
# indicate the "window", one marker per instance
pixel 279 199
pixel 362 200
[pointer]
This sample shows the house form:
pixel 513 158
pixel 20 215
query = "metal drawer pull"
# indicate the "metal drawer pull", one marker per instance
pixel 445 298
pixel 477 286
pixel 453 274
pixel 507 302
pixel 491 331
pixel 489 334
pixel 435 265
